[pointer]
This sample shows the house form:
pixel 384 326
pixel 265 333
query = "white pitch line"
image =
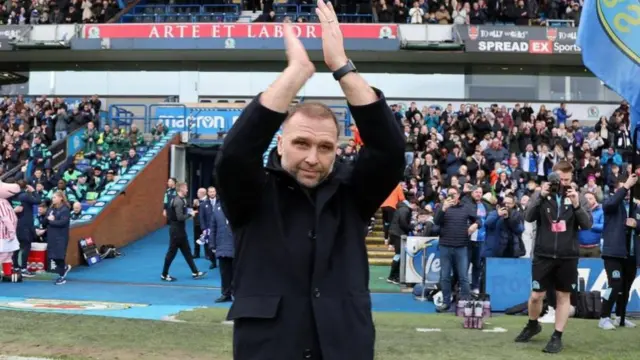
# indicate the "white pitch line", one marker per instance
pixel 6 357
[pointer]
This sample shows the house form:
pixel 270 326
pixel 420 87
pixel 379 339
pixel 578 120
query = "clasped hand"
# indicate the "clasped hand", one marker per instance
pixel 332 42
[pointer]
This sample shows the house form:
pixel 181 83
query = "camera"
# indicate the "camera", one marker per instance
pixel 555 187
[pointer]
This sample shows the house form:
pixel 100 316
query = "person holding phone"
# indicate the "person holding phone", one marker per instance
pixel 559 213
pixel 620 257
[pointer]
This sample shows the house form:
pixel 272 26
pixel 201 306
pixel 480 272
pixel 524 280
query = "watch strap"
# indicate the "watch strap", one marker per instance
pixel 340 73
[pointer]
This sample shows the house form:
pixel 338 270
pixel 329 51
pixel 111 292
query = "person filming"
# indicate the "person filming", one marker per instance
pixel 559 213
pixel 620 259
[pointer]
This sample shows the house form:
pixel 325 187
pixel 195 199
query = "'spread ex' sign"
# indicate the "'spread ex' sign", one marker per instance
pixel 519 39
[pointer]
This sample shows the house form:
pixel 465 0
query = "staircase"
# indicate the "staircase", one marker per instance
pixel 378 252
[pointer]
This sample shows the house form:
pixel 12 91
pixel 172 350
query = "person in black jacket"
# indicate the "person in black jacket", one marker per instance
pixel 620 258
pixel 559 214
pixel 400 225
pixel 301 274
pixel 178 212
pixel 23 206
pixel 457 222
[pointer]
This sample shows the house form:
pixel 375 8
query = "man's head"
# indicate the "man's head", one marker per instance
pixel 564 169
pixel 591 199
pixel 182 189
pixel 453 194
pixel 211 192
pixel 308 143
pixel 202 192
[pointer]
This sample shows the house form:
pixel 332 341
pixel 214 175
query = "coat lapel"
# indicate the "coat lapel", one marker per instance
pixel 328 221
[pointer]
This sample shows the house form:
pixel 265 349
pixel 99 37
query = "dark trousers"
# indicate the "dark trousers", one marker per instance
pixel 477 264
pixel 394 274
pixel 387 215
pixel 22 255
pixel 197 231
pixel 61 266
pixel 620 275
pixel 178 243
pixel 226 275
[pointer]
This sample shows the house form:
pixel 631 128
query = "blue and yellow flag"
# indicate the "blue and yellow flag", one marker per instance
pixel 609 36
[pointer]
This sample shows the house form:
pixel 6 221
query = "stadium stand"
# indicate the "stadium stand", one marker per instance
pixel 24 12
pixel 416 12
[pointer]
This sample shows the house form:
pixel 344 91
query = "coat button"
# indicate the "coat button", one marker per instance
pixel 312 235
pixel 306 354
pixel 316 293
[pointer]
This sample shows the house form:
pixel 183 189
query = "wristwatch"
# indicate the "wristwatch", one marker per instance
pixel 340 73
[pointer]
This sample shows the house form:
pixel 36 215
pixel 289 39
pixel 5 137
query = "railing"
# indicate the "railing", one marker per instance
pixel 123 117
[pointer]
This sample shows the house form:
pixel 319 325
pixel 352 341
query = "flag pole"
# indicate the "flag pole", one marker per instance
pixel 632 205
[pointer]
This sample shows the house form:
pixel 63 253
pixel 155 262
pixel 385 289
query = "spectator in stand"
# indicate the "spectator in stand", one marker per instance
pixel 91 136
pixel 590 238
pixel 158 132
pixel 23 12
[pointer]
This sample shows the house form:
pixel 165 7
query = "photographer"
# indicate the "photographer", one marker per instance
pixel 619 256
pixel 504 231
pixel 559 215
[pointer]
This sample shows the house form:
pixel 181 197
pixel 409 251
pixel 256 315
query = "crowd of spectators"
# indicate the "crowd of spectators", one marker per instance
pixel 29 127
pixel 23 12
pixel 519 12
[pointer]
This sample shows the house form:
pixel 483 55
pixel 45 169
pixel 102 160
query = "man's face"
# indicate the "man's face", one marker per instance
pixel 590 199
pixel 453 194
pixel 171 183
pixel 477 194
pixel 211 193
pixel 565 178
pixel 202 193
pixel 307 147
pixel 508 202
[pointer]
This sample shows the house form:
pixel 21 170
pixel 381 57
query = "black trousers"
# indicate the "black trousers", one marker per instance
pixel 396 241
pixel 226 275
pixel 178 242
pixel 620 275
pixel 22 254
pixel 387 216
pixel 61 266
pixel 197 231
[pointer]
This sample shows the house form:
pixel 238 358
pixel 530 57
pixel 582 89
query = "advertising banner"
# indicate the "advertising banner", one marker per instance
pixel 231 31
pixel 421 253
pixel 537 40
pixel 199 121
pixel 5 46
pixel 10 32
pixel 508 281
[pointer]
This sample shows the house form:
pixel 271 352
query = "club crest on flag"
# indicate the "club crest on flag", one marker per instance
pixel 621 21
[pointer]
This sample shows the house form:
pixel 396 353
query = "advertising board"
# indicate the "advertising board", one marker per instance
pixel 538 40
pixel 200 121
pixel 231 31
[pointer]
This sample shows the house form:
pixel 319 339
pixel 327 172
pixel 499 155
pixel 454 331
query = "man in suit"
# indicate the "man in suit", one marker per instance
pixel 221 241
pixel 301 268
pixel 205 213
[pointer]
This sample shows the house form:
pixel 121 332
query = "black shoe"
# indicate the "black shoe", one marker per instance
pixel 393 281
pixel 199 275
pixel 212 266
pixel 168 278
pixel 223 299
pixel 554 345
pixel 196 256
pixel 528 332
pixel 443 308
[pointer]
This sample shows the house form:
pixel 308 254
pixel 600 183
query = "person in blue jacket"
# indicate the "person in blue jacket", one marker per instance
pixel 58 220
pixel 221 242
pixel 590 238
pixel 505 226
pixel 24 203
pixel 620 258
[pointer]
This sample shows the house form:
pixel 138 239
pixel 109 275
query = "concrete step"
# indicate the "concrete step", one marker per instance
pixel 376 233
pixel 380 262
pixel 375 247
pixel 375 240
pixel 380 254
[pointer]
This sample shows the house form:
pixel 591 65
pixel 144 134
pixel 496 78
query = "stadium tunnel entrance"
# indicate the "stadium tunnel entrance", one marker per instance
pixel 200 160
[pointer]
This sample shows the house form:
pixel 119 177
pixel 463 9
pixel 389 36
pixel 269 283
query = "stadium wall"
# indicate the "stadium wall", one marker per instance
pixel 131 215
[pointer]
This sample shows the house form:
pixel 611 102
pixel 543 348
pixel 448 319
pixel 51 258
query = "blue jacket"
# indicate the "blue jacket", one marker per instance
pixel 593 235
pixel 25 230
pixel 58 232
pixel 206 212
pixel 615 231
pixel 504 235
pixel 220 238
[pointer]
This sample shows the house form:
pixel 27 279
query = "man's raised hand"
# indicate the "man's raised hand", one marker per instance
pixel 332 41
pixel 296 54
